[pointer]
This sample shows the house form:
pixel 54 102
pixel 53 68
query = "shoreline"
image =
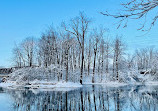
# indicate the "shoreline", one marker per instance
pixel 64 85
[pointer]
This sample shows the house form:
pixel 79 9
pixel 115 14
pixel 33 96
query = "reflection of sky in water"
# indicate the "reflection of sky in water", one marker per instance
pixel 100 98
pixel 5 102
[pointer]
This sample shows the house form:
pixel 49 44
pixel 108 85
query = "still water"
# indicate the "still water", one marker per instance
pixel 87 98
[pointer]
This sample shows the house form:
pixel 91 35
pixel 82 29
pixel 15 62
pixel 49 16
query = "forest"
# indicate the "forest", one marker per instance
pixel 79 53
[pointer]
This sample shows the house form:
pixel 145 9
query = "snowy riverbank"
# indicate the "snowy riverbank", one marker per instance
pixel 36 84
pixel 110 84
pixel 65 86
pixel 51 78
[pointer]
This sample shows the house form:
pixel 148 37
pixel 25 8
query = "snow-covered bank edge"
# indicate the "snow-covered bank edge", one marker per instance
pixel 36 84
pixel 109 84
pixel 151 83
pixel 43 85
pixel 65 86
pixel 118 84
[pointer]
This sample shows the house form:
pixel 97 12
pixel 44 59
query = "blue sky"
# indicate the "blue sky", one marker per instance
pixel 24 18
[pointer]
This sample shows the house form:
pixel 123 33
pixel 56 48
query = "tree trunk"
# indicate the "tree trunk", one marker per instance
pixel 94 65
pixel 117 73
pixel 82 63
pixel 82 59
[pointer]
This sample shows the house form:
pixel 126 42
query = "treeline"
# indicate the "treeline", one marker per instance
pixel 76 47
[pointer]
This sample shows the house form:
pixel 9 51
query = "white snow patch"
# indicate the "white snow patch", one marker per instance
pixel 36 84
pixel 7 84
pixel 151 83
pixel 48 85
pixel 110 84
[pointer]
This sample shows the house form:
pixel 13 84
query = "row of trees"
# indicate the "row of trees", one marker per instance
pixel 76 47
pixel 24 53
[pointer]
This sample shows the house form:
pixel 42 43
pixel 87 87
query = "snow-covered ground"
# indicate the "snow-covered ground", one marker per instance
pixel 110 84
pixel 50 78
pixel 152 83
pixel 36 84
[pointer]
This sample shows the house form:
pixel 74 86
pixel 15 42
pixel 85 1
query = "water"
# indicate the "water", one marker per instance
pixel 88 98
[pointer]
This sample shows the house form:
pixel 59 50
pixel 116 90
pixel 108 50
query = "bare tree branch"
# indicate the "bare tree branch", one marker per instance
pixel 136 9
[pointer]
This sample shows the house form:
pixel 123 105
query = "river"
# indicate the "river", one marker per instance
pixel 87 98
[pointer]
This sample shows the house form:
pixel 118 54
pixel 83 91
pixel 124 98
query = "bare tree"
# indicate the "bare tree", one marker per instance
pixel 28 50
pixel 78 28
pixel 89 56
pixel 136 9
pixel 18 57
pixel 95 48
pixel 146 60
pixel 48 47
pixel 67 43
pixel 108 51
pixel 130 61
pixel 118 52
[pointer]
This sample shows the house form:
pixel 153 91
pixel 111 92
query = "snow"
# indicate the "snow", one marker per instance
pixel 7 84
pixel 110 84
pixel 47 79
pixel 36 91
pixel 47 85
pixel 151 83
pixel 37 86
pixel 42 85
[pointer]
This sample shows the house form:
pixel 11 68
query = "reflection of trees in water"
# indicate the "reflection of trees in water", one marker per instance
pixel 1 89
pixel 144 99
pixel 89 98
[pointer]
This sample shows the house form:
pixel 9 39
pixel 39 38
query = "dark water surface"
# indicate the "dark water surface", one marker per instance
pixel 87 98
